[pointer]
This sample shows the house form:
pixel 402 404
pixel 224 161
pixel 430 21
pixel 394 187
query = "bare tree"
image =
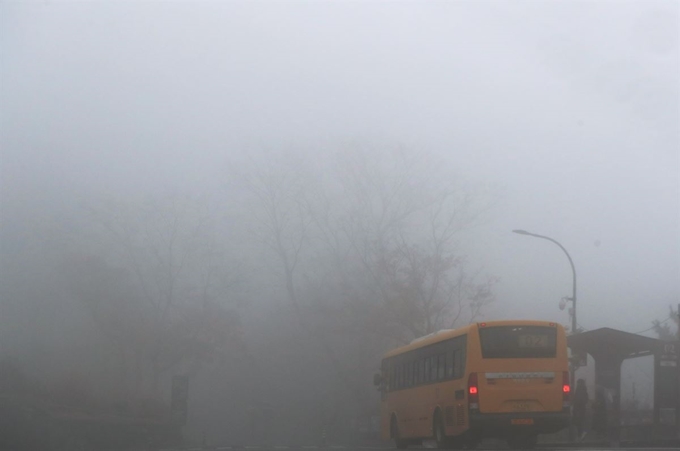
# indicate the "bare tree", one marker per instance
pixel 664 330
pixel 114 304
pixel 366 247
pixel 274 189
pixel 177 286
pixel 276 193
pixel 402 224
pixel 386 267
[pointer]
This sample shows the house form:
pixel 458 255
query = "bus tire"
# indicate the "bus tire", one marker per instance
pixel 399 442
pixel 438 431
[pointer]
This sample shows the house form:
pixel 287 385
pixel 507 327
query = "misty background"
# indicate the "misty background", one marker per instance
pixel 268 196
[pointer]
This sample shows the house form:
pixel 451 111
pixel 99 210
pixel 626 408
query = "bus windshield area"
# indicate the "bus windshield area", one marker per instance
pixel 516 342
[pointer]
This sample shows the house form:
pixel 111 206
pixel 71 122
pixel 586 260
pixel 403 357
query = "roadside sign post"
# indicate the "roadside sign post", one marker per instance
pixel 666 383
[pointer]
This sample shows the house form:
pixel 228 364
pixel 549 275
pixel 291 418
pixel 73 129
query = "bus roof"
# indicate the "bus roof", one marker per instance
pixel 445 334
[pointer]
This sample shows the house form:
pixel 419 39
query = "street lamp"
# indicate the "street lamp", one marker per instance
pixel 572 370
pixel 573 271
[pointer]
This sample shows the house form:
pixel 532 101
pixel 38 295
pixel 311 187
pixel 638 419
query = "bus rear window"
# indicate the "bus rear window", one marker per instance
pixel 518 342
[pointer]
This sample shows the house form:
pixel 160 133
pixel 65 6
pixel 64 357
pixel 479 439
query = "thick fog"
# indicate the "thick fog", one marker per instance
pixel 270 186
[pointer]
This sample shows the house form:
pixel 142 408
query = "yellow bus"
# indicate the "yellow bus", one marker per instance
pixel 503 379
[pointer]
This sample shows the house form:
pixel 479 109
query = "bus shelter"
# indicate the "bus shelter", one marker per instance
pixel 610 347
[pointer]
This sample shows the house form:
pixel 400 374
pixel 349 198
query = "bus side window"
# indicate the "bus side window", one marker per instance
pixel 433 368
pixel 400 376
pixel 449 364
pixel 462 355
pixel 459 345
pixel 456 364
pixel 415 372
pixel 384 383
pixel 426 377
pixel 393 376
pixel 441 372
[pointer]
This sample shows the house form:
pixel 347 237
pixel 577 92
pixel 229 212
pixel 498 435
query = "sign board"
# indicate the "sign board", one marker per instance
pixel 666 375
pixel 669 354
pixel 179 399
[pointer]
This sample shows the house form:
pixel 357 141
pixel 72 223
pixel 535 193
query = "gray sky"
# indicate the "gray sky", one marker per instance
pixel 570 109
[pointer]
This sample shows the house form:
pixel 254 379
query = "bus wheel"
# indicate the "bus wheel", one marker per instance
pixel 439 432
pixel 523 441
pixel 399 442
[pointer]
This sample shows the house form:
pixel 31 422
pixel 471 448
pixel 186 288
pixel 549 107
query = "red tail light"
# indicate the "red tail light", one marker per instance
pixel 473 391
pixel 566 388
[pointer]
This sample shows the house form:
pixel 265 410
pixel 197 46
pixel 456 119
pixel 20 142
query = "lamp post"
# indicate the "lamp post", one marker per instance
pixel 572 370
pixel 573 271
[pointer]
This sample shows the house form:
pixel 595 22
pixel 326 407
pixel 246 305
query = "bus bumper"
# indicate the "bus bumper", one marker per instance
pixel 507 424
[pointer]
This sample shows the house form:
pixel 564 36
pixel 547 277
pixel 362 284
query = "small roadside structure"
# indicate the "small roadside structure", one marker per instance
pixel 609 348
